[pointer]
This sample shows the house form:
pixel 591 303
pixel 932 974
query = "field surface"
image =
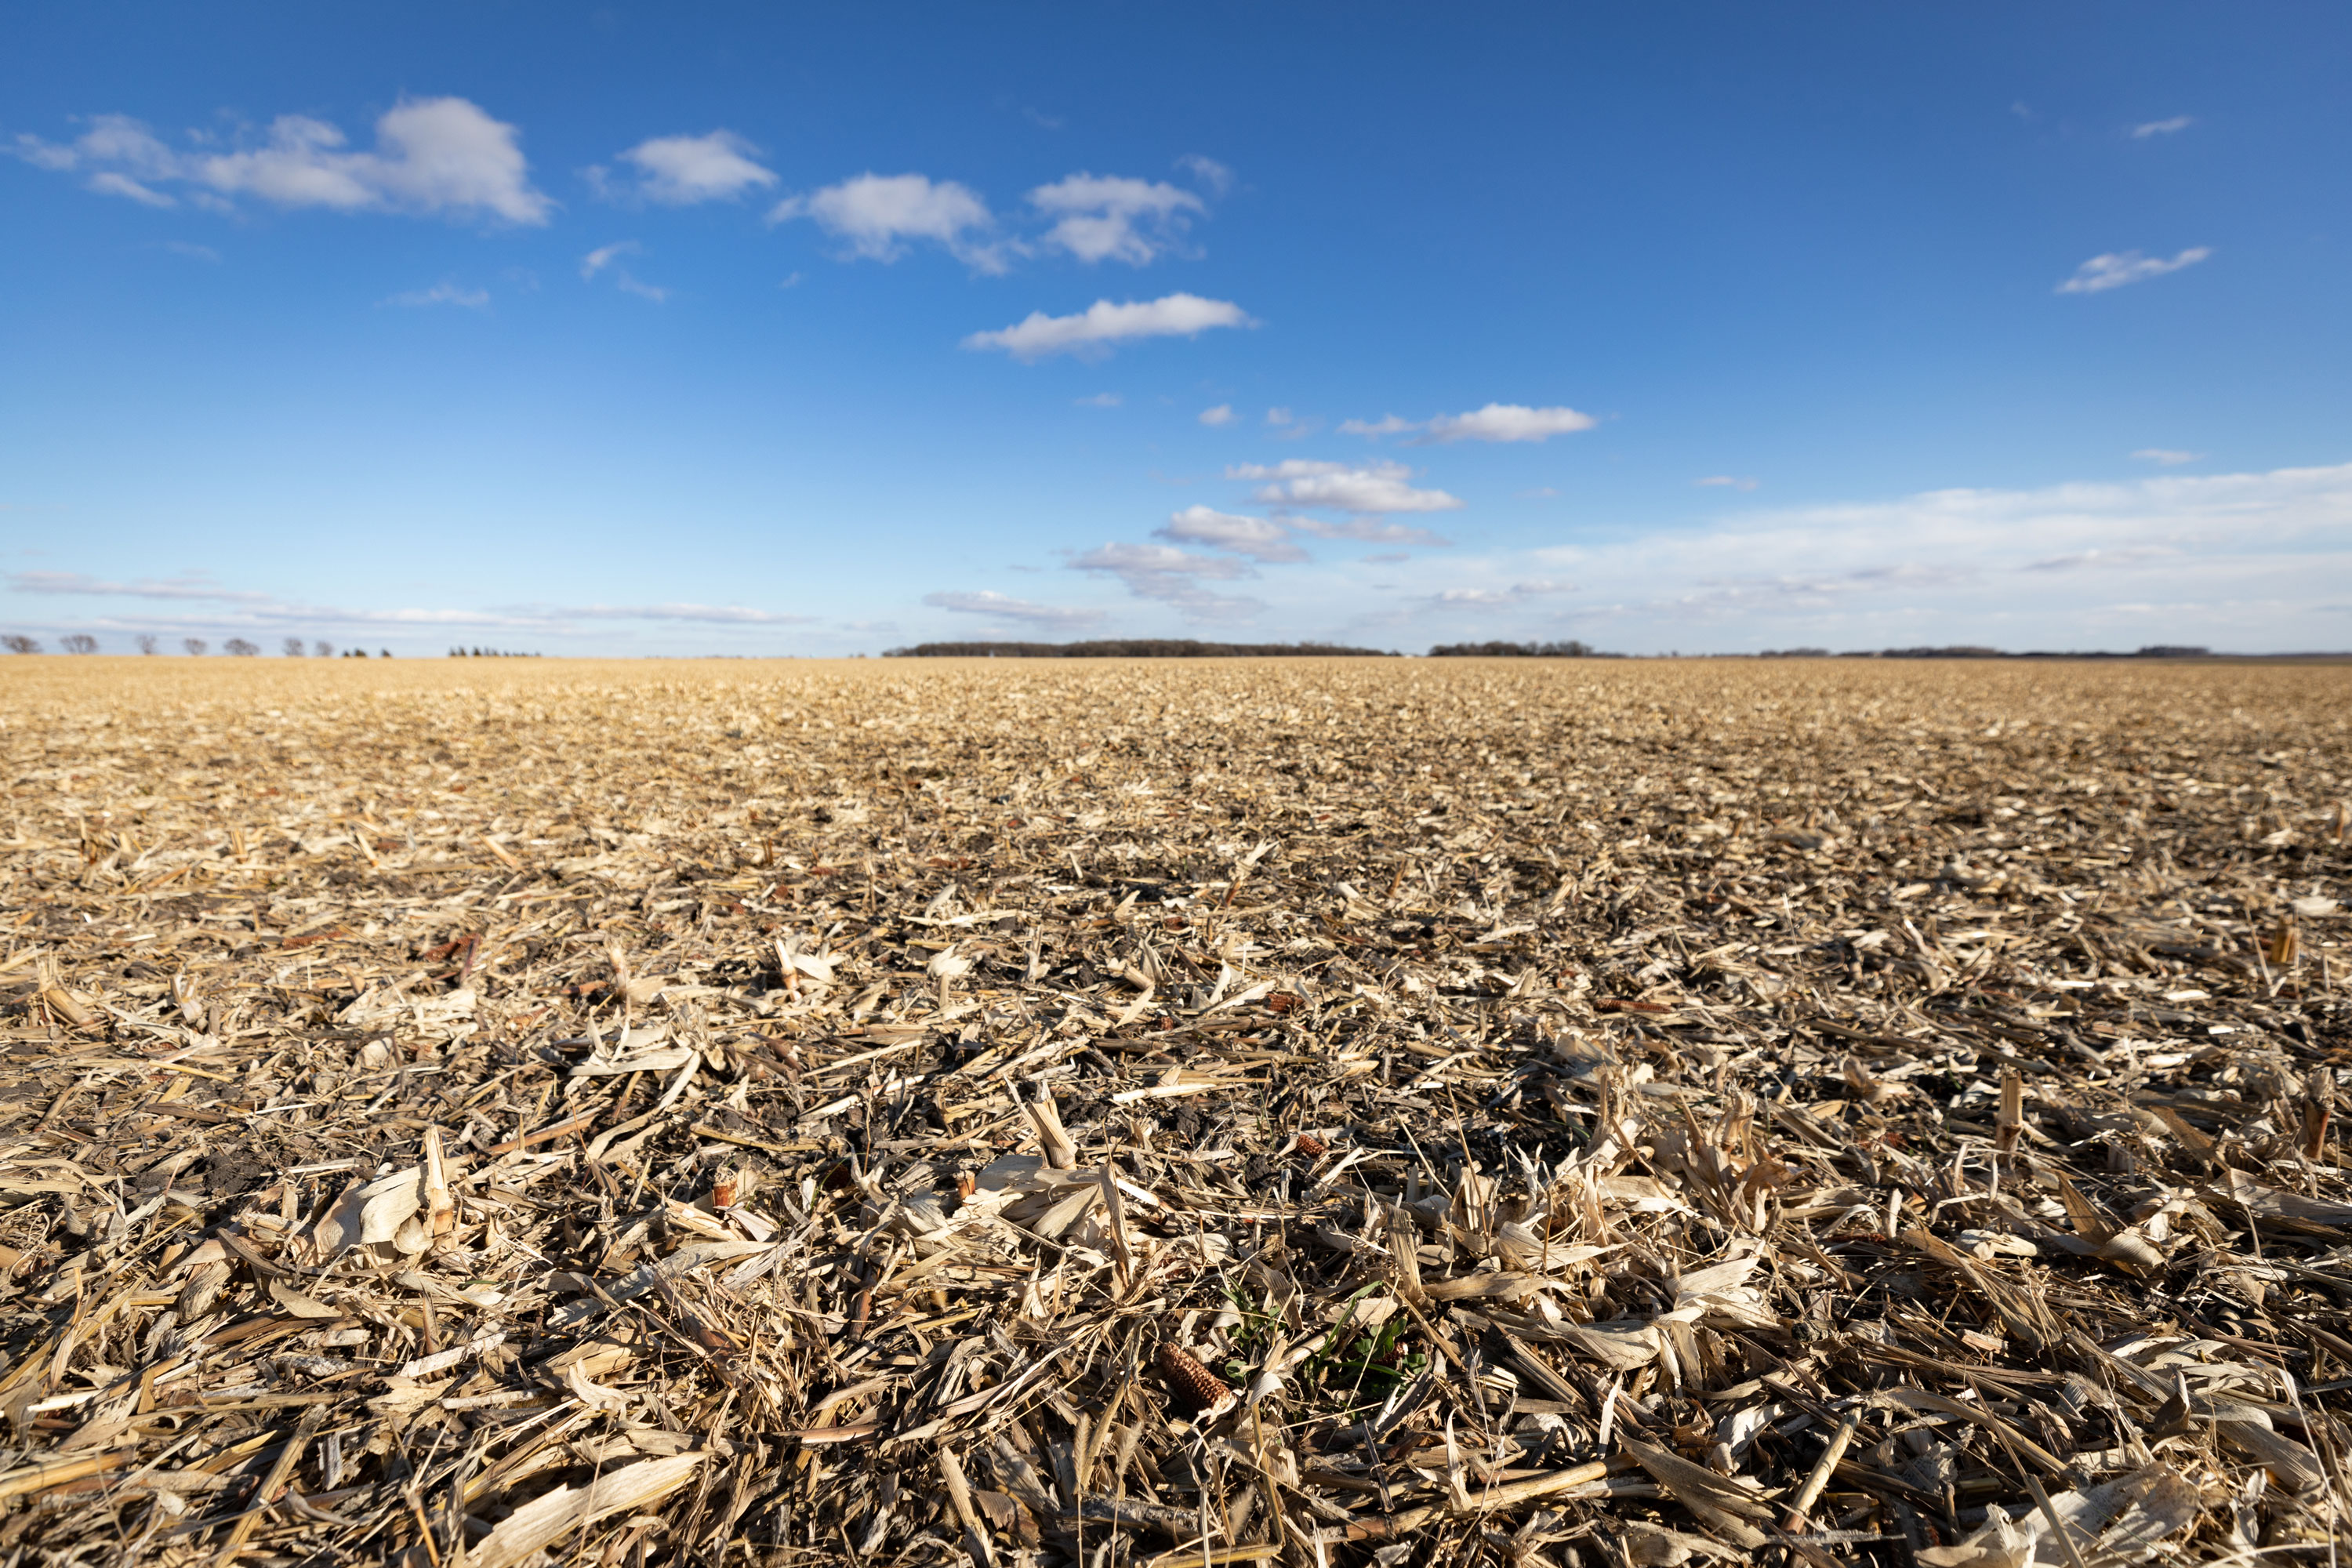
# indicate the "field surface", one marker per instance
pixel 487 1112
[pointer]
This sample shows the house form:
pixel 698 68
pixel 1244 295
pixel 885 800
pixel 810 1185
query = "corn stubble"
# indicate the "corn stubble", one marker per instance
pixel 1299 1112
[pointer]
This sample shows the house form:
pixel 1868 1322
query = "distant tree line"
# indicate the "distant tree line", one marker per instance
pixel 1571 650
pixel 1141 647
pixel 484 653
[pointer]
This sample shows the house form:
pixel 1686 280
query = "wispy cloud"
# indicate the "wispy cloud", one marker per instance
pixel 2166 457
pixel 442 294
pixel 1208 173
pixel 192 252
pixel 876 216
pixel 1173 577
pixel 1497 598
pixel 1495 422
pixel 2118 268
pixel 266 612
pixel 1022 611
pixel 1377 487
pixel 2237 556
pixel 603 255
pixel 1100 400
pixel 719 615
pixel 1222 414
pixel 1369 530
pixel 435 155
pixel 1103 217
pixel 1726 481
pixel 1102 325
pixel 195 586
pixel 2123 555
pixel 682 170
pixel 628 282
pixel 2161 127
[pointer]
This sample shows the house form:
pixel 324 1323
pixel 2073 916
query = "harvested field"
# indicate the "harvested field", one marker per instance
pixel 1301 1111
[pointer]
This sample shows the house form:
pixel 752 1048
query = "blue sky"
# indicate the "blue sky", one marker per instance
pixel 751 330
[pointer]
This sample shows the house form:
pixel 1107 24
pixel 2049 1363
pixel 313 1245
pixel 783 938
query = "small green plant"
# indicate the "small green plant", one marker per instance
pixel 1353 1366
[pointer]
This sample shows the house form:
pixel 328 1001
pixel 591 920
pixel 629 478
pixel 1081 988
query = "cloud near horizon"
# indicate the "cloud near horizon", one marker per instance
pixel 264 614
pixel 2228 559
pixel 1023 612
pixel 433 156
pixel 1096 328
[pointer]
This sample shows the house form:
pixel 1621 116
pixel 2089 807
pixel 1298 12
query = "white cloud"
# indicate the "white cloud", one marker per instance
pixel 1726 481
pixel 1100 400
pixel 2161 127
pixel 192 252
pixel 2234 561
pixel 194 585
pixel 443 294
pixel 433 155
pixel 2119 268
pixel 108 182
pixel 1157 558
pixel 603 255
pixel 1342 487
pixel 1507 421
pixel 1207 172
pixel 1261 539
pixel 1006 608
pixel 1103 323
pixel 1173 577
pixel 1369 530
pixel 877 214
pixel 1222 414
pixel 2166 457
pixel 681 170
pixel 1497 598
pixel 1103 217
pixel 2125 555
pixel 1278 417
pixel 721 614
pixel 1495 422
pixel 266 612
